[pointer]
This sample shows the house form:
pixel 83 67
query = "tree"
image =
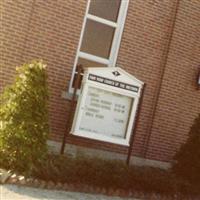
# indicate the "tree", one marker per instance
pixel 187 158
pixel 24 119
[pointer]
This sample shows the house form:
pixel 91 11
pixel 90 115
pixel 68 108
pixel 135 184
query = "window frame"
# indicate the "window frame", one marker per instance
pixel 118 25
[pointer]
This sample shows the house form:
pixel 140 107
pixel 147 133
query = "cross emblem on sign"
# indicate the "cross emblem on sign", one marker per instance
pixel 116 73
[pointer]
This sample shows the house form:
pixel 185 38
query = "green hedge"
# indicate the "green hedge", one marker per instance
pixel 111 174
pixel 24 119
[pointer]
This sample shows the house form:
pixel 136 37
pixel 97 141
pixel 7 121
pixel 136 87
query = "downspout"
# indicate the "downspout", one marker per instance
pixel 163 67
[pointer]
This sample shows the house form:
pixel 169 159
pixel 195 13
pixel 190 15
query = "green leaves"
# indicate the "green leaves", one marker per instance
pixel 24 119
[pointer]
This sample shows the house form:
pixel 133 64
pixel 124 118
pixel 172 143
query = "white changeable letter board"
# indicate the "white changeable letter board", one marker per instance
pixel 107 105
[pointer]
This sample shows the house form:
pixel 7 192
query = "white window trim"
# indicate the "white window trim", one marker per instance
pixel 118 33
pixel 101 20
pixel 93 58
pixel 119 26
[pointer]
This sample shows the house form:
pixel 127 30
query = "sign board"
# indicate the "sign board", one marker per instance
pixel 107 105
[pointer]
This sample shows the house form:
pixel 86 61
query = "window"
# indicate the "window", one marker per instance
pixel 101 34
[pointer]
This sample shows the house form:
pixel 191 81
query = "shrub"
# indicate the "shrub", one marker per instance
pixel 24 119
pixel 187 158
pixel 106 174
pixel 113 174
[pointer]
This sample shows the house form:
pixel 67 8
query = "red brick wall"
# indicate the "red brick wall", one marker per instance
pixel 51 29
pixel 179 101
pixel 13 25
pixel 142 50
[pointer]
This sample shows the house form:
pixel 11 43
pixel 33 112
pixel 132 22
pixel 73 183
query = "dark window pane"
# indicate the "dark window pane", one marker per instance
pixel 97 39
pixel 107 9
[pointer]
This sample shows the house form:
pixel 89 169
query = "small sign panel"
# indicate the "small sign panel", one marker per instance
pixel 107 105
pixel 113 83
pixel 105 113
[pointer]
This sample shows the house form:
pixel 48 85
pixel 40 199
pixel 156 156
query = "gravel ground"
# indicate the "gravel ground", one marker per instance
pixel 13 192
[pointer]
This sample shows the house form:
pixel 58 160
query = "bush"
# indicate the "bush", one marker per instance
pixel 106 174
pixel 24 119
pixel 187 158
pixel 113 174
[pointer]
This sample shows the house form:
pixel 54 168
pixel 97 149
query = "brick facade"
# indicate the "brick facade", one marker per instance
pixel 164 56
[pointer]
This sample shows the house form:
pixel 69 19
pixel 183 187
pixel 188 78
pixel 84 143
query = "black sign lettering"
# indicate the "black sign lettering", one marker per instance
pixel 113 83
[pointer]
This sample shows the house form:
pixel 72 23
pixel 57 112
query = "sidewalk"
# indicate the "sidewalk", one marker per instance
pixel 13 192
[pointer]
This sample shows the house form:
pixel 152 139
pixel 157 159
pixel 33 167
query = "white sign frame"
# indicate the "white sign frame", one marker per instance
pixel 81 101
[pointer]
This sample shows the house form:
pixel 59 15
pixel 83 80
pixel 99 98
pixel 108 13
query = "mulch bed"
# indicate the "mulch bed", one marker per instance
pixel 7 177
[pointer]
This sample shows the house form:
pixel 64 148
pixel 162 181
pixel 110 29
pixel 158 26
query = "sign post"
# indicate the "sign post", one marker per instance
pixel 73 102
pixel 135 126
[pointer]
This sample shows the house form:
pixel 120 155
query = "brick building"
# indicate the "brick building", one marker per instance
pixel 157 41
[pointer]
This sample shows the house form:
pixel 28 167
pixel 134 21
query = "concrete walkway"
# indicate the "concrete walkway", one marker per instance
pixel 13 192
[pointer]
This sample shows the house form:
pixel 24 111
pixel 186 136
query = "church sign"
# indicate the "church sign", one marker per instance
pixel 107 105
